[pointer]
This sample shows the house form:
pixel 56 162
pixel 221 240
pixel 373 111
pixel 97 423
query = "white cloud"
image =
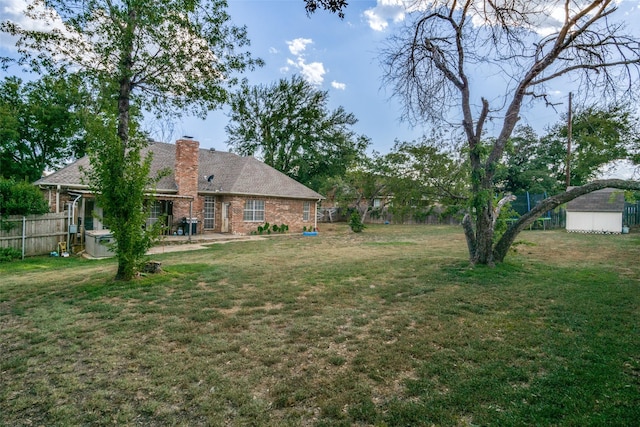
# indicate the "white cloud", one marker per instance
pixel 298 46
pixel 273 50
pixel 15 11
pixel 313 72
pixel 338 85
pixel 385 11
pixel 388 10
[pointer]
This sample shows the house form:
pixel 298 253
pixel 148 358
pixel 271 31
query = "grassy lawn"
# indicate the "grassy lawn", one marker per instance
pixel 389 327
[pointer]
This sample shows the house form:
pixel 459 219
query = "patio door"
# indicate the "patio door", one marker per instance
pixel 209 212
pixel 225 218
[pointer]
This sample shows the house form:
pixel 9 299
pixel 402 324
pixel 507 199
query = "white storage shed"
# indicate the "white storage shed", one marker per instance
pixel 597 212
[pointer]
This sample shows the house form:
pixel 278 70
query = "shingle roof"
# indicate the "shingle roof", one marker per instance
pixel 605 200
pixel 232 174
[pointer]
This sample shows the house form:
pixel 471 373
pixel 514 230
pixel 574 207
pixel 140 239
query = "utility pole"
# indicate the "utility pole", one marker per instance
pixel 569 131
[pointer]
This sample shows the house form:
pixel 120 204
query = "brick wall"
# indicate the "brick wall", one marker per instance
pixel 277 211
pixel 56 199
pixel 186 175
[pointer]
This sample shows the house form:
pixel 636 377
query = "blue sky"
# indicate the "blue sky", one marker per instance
pixel 339 56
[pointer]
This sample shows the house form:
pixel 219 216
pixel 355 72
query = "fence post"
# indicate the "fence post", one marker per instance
pixel 24 234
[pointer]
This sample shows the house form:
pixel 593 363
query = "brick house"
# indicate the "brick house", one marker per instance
pixel 207 191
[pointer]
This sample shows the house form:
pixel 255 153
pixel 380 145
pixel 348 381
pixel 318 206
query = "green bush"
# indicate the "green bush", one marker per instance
pixel 9 254
pixel 355 222
pixel 20 198
pixel 268 228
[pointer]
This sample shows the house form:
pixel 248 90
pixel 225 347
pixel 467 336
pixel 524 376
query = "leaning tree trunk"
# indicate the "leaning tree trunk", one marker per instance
pixel 502 246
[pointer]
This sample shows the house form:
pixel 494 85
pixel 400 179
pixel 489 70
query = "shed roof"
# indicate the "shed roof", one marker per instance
pixel 232 174
pixel 605 200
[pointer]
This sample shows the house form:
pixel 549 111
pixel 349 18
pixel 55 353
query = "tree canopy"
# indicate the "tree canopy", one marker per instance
pixel 409 182
pixel 530 164
pixel 289 126
pixel 333 6
pixel 20 198
pixel 599 138
pixel 40 125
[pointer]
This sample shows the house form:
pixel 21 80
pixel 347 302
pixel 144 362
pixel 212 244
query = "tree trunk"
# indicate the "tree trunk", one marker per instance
pixel 124 239
pixel 484 236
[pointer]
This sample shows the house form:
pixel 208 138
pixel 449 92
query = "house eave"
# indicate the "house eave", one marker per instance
pixel 276 196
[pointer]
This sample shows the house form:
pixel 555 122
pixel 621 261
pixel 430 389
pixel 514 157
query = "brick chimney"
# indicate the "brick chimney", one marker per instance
pixel 186 168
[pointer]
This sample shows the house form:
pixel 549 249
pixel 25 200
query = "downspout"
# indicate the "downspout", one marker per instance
pixel 315 216
pixel 190 219
pixel 58 199
pixel 71 217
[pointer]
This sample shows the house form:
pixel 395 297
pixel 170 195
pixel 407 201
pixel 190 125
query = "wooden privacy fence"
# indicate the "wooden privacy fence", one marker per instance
pixel 631 215
pixel 34 234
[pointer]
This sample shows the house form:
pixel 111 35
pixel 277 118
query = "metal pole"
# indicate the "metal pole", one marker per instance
pixel 569 132
pixel 24 234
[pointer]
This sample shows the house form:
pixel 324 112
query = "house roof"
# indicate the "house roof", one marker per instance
pixel 605 200
pixel 232 174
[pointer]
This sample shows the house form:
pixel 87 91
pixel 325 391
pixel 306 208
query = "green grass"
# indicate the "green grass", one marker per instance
pixel 389 327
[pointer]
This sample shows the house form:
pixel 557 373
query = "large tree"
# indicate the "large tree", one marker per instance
pixel 161 55
pixel 289 125
pixel 40 125
pixel 429 67
pixel 599 136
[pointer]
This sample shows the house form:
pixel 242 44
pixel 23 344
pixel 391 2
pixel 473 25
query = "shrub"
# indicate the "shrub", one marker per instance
pixel 355 222
pixel 268 228
pixel 9 254
pixel 20 198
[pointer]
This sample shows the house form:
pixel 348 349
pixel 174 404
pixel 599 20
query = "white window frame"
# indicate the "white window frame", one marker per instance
pixel 253 211
pixel 209 222
pixel 155 212
pixel 306 211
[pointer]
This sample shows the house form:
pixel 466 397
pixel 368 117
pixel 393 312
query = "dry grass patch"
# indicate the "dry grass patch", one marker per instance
pixel 387 327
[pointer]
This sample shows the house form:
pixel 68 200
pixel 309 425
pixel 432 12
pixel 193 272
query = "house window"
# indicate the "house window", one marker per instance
pixel 377 203
pixel 155 212
pixel 254 210
pixel 306 211
pixel 209 212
